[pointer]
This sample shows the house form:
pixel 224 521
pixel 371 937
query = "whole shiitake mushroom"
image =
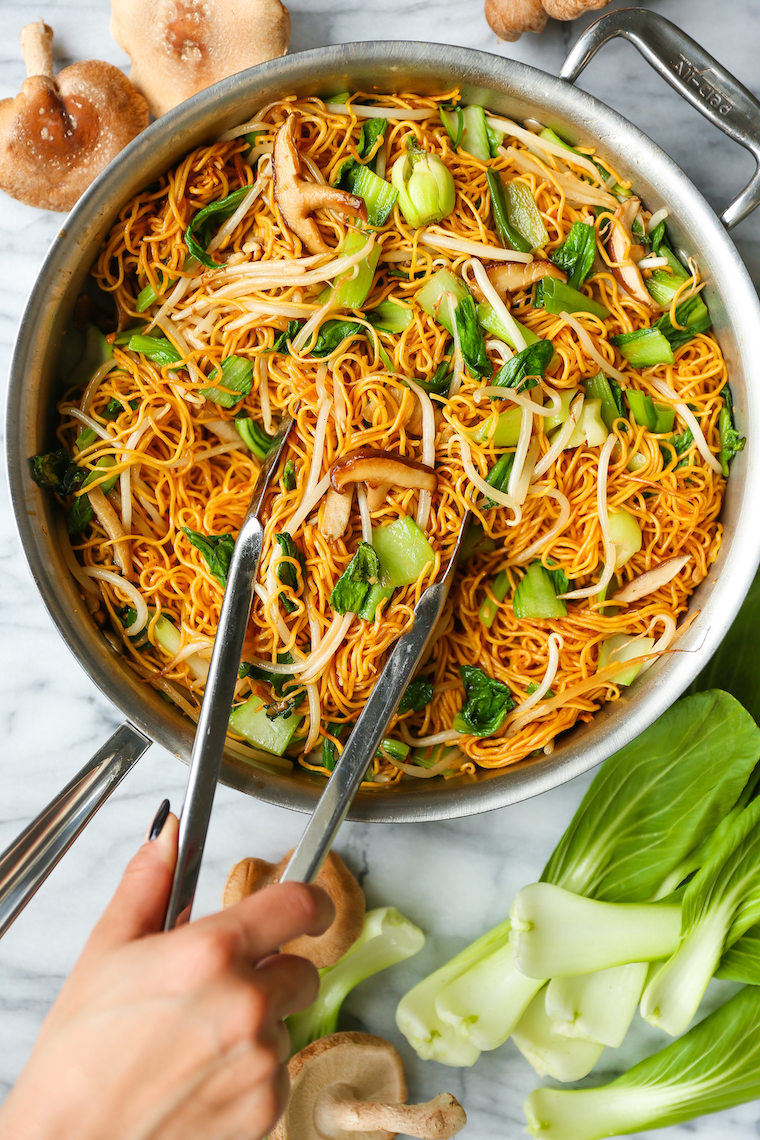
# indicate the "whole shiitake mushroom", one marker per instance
pixel 60 132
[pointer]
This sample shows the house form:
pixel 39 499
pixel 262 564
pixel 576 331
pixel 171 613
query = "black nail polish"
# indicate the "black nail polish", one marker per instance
pixel 159 820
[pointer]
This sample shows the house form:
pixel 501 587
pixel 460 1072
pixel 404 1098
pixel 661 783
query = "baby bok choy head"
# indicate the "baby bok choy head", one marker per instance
pixel 387 938
pixel 633 839
pixel 716 1065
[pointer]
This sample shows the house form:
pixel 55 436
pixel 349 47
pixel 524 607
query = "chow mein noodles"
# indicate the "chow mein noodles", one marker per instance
pixel 460 314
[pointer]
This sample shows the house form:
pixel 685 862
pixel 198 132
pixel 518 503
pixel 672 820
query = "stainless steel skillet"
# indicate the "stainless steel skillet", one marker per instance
pixel 508 88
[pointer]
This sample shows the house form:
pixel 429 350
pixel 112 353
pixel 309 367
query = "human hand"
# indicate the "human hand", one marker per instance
pixel 162 1036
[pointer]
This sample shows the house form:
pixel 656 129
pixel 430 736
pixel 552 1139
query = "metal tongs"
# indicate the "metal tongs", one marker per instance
pixel 362 745
pixel 213 722
pixel 370 728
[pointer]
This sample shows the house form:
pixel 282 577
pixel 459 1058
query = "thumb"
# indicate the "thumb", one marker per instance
pixel 139 905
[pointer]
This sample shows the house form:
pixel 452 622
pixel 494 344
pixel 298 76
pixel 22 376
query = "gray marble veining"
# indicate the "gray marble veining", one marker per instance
pixel 454 879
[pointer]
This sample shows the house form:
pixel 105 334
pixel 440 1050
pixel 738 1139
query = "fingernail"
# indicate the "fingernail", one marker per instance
pixel 159 819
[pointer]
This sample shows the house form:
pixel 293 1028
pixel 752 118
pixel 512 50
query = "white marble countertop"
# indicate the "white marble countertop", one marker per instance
pixel 52 717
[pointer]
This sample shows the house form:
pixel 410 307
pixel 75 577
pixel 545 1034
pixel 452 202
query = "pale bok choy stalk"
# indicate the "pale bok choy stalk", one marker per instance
pixel 432 1038
pixel 387 938
pixel 558 934
pixel 579 1006
pixel 720 903
pixel 549 1054
pixel 715 1066
pixel 647 809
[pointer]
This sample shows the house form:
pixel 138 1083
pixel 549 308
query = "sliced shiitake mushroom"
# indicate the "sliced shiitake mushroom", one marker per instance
pixel 506 276
pixel 337 512
pixel 377 468
pixel 623 252
pixel 297 198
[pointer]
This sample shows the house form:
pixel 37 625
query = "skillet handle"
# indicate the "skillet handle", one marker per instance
pixel 693 73
pixel 31 857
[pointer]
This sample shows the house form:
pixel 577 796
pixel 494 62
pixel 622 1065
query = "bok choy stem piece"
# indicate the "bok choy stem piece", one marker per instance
pixel 596 1007
pixel 559 934
pixel 416 1016
pixel 509 992
pixel 716 1065
pixel 550 1054
pixel 387 938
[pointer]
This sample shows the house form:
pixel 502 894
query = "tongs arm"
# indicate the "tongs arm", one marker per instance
pixel 365 739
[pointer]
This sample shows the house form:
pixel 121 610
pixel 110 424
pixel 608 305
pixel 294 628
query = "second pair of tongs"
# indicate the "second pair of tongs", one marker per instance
pixel 369 730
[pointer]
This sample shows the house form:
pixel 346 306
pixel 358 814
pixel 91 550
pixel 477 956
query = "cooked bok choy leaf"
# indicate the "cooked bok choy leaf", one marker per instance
pixel 230 383
pixel 333 333
pixel 352 287
pixel 352 587
pixel 692 315
pixel 509 237
pixel 621 647
pixel 452 117
pixel 253 436
pixel 715 1066
pixel 498 477
pixel 292 572
pixel 487 702
pixel 471 340
pixel 252 721
pixel 523 214
pixel 575 256
pixel 730 440
pixel 475 140
pixel 216 549
pixel 644 348
pixel 403 550
pixel 416 696
pixel 601 387
pixel 525 369
pixel 390 317
pixel 557 297
pixel 387 938
pixel 535 597
pixel 198 233
pixel 158 349
pixel 491 323
pixel 490 606
pixel 663 284
pixel 432 297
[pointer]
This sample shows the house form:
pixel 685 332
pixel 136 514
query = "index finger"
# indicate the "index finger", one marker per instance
pixel 277 914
